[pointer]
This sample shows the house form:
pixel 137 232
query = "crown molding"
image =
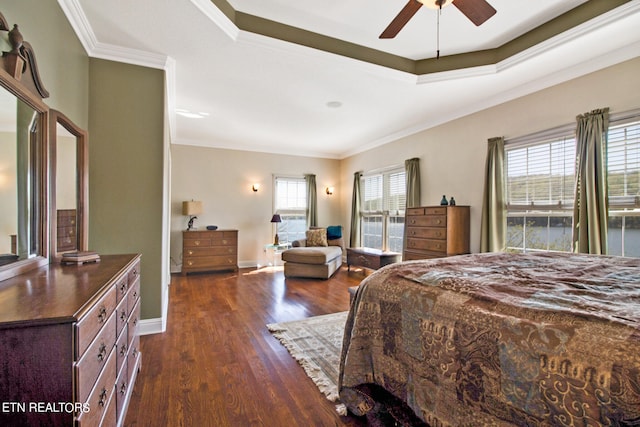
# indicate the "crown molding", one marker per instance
pixel 96 49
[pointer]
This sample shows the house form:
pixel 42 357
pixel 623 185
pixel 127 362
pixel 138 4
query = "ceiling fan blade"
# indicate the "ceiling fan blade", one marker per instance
pixel 401 19
pixel 478 11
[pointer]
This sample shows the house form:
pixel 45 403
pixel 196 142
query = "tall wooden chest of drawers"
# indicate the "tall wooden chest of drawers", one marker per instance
pixel 436 231
pixel 69 348
pixel 210 250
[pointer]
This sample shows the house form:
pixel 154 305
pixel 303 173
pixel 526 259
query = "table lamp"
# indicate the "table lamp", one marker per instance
pixel 191 209
pixel 275 219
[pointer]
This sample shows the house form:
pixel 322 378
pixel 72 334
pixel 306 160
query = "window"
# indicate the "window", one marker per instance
pixel 291 203
pixel 383 206
pixel 623 168
pixel 540 192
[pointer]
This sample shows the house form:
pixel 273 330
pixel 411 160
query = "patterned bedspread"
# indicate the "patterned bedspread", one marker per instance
pixel 500 339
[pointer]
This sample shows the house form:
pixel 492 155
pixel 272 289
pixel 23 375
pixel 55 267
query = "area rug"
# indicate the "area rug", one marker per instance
pixel 316 343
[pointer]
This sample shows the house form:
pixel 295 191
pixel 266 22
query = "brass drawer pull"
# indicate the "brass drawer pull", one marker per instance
pixel 103 398
pixel 102 314
pixel 102 352
pixel 123 350
pixel 123 315
pixel 197 243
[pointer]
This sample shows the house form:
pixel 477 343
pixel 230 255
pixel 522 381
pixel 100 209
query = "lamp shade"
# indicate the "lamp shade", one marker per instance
pixel 191 208
pixel 276 218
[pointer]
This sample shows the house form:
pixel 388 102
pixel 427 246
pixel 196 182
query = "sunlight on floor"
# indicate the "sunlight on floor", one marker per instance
pixel 266 269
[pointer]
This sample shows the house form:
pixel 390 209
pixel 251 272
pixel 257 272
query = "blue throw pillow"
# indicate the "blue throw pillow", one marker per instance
pixel 334 232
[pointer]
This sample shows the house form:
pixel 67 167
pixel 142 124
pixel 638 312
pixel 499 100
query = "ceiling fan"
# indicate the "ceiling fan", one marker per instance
pixel 478 11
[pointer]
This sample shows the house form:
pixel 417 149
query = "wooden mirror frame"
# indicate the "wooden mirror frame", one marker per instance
pixel 41 161
pixel 19 75
pixel 82 182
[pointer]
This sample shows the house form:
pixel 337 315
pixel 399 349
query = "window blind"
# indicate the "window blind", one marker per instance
pixel 541 175
pixel 623 165
pixel 291 194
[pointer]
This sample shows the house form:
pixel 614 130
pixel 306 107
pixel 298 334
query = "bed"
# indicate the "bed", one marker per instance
pixel 499 339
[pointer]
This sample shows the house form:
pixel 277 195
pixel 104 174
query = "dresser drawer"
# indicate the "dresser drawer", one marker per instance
pixel 134 272
pixel 427 245
pixel 122 349
pixel 133 296
pixel 197 243
pixel 122 314
pixel 212 261
pixel 122 387
pixel 212 251
pixel 409 255
pixel 224 238
pixel 427 221
pixel 122 286
pixel 100 395
pixel 427 233
pixel 415 211
pixel 435 210
pixel 133 355
pixel 134 319
pixel 91 323
pixel 95 358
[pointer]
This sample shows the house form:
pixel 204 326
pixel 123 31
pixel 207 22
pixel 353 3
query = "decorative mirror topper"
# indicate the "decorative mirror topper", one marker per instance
pixel 21 59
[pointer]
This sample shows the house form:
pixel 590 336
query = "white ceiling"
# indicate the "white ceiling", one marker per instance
pixel 263 94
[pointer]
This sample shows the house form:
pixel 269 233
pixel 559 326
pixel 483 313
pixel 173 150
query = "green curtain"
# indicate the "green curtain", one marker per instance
pixel 312 201
pixel 412 172
pixel 590 209
pixel 354 238
pixel 494 218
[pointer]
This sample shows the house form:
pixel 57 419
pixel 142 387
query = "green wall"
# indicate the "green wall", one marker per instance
pixel 122 108
pixel 62 61
pixel 126 122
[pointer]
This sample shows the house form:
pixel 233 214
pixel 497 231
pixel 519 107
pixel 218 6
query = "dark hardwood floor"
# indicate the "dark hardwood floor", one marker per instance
pixel 218 365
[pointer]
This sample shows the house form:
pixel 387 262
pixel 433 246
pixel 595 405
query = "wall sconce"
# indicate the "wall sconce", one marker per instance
pixel 191 209
pixel 255 187
pixel 330 190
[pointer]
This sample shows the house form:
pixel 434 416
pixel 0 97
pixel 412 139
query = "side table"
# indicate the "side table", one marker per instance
pixel 273 250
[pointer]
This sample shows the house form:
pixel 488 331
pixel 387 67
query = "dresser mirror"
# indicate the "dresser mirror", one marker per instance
pixel 69 186
pixel 23 158
pixel 22 184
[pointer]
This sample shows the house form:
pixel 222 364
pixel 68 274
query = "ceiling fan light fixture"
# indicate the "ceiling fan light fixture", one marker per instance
pixel 436 4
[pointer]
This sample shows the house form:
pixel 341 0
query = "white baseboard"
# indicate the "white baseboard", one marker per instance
pixel 156 325
pixel 152 326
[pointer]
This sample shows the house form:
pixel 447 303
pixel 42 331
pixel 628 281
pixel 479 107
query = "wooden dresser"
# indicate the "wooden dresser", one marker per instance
pixel 210 250
pixel 436 231
pixel 69 348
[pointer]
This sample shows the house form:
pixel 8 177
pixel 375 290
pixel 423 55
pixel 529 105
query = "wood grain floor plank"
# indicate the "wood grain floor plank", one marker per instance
pixel 218 365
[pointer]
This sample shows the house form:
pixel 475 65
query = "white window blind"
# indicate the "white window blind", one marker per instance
pixel 290 201
pixel 623 178
pixel 623 165
pixel 541 175
pixel 383 208
pixel 540 187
